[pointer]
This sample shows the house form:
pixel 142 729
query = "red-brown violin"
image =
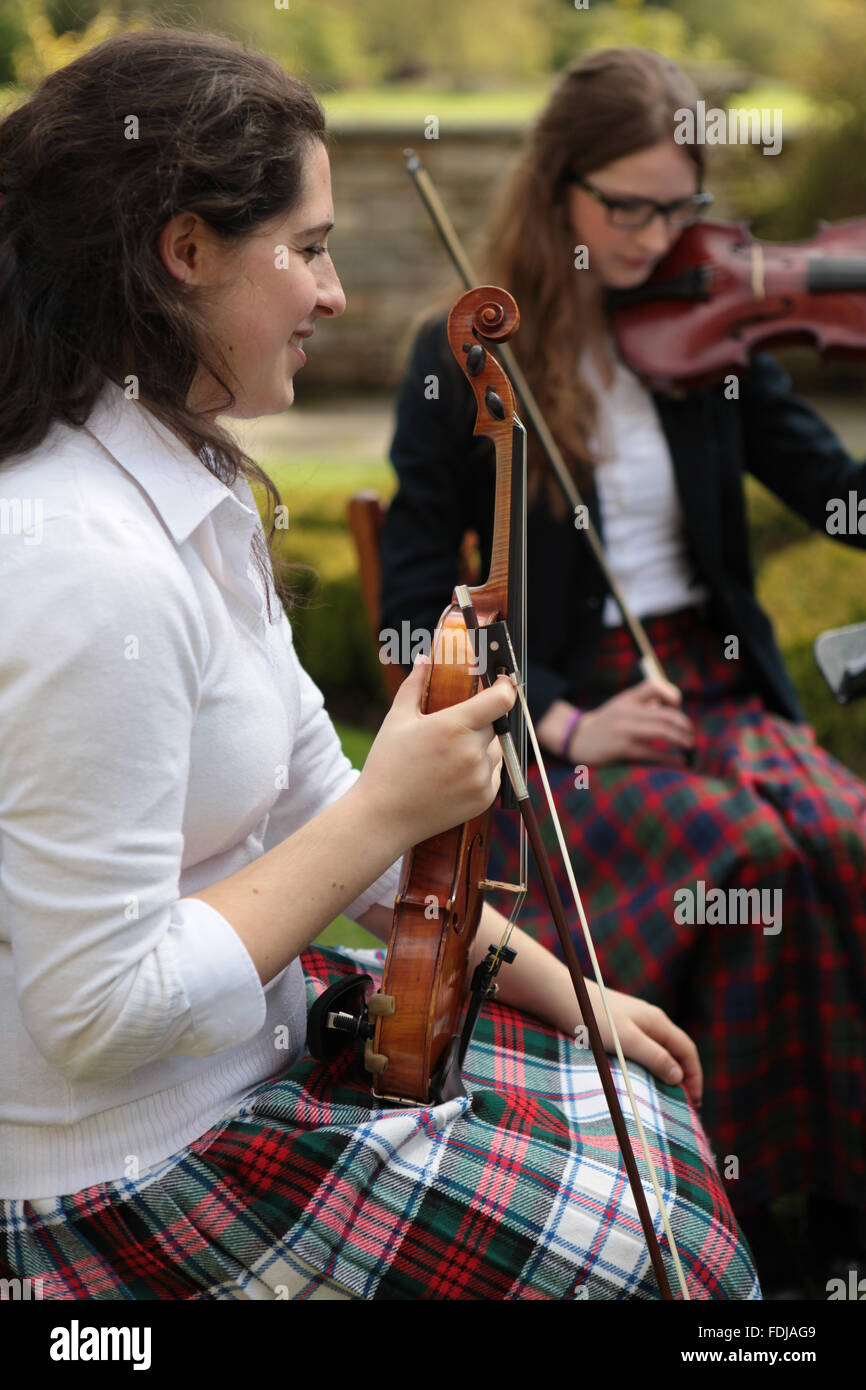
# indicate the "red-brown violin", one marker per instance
pixel 721 293
pixel 416 1051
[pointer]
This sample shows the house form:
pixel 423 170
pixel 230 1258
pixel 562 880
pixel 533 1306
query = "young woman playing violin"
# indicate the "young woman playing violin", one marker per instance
pixel 177 820
pixel 708 780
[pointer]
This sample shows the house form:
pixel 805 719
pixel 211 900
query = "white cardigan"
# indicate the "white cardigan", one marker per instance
pixel 156 734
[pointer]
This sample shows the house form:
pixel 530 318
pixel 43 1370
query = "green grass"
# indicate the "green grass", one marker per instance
pixel 320 487
pixel 356 742
pixel 317 495
pixel 317 491
pixel 413 103
pixel 343 932
pixel 807 583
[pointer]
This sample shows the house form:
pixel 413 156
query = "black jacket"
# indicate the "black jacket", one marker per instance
pixel 446 486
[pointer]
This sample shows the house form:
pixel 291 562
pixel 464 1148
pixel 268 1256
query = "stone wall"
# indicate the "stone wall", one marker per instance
pixel 387 253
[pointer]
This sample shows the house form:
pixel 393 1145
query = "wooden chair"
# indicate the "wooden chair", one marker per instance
pixel 366 515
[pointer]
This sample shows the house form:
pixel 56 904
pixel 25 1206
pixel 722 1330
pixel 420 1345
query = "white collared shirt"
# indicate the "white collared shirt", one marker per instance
pixel 157 734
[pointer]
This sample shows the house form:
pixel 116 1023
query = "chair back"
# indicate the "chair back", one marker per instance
pixel 366 516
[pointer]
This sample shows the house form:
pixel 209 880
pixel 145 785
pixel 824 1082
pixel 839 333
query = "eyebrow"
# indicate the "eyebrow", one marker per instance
pixel 322 230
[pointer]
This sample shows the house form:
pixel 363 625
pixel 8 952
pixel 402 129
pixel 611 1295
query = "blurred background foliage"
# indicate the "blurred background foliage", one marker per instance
pixel 498 56
pixel 494 60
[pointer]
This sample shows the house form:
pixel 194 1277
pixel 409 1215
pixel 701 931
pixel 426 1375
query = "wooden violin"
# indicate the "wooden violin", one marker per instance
pixel 416 1052
pixel 720 293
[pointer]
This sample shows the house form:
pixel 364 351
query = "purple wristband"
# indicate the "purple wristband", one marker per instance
pixel 572 725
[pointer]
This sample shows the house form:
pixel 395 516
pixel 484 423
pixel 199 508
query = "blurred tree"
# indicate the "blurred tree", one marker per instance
pixel 464 45
pixel 821 173
pixel 497 43
pixel 828 166
pixel 761 35
pixel 337 43
pixel 460 46
pixel 12 34
pixel 612 25
pixel 322 40
pixel 71 15
pixel 42 50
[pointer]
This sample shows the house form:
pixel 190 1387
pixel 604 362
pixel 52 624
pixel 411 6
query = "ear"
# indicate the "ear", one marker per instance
pixel 183 244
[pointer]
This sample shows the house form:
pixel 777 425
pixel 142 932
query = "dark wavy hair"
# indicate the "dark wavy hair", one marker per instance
pixel 84 295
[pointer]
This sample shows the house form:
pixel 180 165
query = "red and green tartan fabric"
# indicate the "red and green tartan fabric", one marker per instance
pixel 314 1189
pixel 779 1018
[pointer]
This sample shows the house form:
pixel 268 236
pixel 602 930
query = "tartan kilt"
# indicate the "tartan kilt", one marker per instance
pixel 311 1188
pixel 778 1016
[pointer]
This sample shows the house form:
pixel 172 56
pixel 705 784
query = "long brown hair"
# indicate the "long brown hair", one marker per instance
pixel 608 104
pixel 84 295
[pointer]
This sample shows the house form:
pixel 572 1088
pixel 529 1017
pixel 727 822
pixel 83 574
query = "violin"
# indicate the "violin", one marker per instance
pixel 720 293
pixel 416 1028
pixel 417 1053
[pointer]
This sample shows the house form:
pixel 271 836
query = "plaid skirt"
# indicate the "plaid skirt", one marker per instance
pixel 313 1189
pixel 777 1005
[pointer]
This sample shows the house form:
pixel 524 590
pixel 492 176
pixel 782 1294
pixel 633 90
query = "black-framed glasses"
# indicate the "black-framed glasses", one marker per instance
pixel 636 213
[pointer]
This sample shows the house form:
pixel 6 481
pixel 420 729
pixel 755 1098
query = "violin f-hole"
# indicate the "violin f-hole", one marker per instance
pixel 471 880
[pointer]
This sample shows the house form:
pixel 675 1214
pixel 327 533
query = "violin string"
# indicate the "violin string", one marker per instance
pixel 603 993
pixel 523 839
pixel 518 899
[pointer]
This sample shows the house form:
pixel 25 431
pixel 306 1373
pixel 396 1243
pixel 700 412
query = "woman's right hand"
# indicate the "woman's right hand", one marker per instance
pixel 429 772
pixel 641 724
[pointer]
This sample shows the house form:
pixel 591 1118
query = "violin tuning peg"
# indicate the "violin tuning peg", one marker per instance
pixel 475 358
pixel 375 1062
pixel 494 404
pixel 381 1005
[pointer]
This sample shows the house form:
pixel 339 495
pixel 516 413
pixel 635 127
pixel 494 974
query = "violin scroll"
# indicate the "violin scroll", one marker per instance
pixel 485 314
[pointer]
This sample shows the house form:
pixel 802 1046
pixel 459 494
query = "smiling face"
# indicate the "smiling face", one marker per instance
pixel 621 257
pixel 261 300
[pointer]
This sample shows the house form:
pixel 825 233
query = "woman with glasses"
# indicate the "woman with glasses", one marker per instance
pixel 719 850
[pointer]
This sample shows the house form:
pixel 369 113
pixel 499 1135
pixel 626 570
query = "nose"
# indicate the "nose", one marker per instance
pixel 657 237
pixel 331 299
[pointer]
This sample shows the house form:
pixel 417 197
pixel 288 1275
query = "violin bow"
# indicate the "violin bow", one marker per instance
pixel 490 315
pixel 649 662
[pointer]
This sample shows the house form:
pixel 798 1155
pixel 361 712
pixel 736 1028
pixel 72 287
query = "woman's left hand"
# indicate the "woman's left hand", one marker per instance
pixel 649 1037
pixel 541 984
